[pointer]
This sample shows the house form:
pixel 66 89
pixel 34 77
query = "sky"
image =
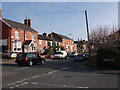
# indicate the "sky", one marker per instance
pixel 66 18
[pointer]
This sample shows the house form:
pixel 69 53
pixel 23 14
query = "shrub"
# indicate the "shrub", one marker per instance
pixel 92 61
pixel 108 53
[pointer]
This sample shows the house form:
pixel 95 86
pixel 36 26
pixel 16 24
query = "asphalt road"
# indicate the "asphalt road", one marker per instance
pixel 63 73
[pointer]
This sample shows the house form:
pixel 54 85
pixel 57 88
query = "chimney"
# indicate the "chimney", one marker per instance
pixel 28 22
pixel 44 34
pixel 0 13
pixel 50 35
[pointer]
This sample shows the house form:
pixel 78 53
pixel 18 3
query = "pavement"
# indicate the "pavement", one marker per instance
pixel 100 70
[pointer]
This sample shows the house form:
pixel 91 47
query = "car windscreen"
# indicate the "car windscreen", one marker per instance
pixel 21 55
pixel 73 52
pixel 79 55
pixel 58 53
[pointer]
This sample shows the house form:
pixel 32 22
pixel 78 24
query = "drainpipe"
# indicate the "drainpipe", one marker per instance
pixel 23 41
pixel 9 39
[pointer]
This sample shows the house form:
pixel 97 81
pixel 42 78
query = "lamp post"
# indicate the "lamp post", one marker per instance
pixel 87 31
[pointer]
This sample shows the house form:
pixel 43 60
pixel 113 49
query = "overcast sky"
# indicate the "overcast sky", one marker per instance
pixel 63 17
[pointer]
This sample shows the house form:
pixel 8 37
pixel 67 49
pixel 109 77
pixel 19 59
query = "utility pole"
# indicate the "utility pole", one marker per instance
pixel 87 31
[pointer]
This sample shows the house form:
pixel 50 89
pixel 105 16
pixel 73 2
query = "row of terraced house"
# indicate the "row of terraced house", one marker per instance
pixel 18 37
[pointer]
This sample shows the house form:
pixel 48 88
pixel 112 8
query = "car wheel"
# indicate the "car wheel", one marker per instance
pixel 43 62
pixel 30 63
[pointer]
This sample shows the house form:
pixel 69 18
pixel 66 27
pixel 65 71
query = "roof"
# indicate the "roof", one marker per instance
pixel 56 40
pixel 114 34
pixel 42 37
pixel 18 25
pixel 62 36
pixel 80 42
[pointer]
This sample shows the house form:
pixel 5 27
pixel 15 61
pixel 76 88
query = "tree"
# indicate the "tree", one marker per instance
pixel 101 36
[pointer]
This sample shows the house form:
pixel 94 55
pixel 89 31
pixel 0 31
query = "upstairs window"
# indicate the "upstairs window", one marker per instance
pixel 33 36
pixel 16 34
pixel 40 42
pixel 25 36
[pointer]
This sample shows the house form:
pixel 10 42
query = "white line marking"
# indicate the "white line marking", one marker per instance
pixel 22 82
pixel 11 87
pixel 21 68
pixel 56 85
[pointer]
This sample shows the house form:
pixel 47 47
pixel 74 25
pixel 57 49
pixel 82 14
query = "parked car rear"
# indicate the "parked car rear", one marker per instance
pixel 8 54
pixel 80 57
pixel 60 54
pixel 86 56
pixel 73 54
pixel 29 59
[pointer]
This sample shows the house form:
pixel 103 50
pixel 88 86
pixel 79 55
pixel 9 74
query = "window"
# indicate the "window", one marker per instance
pixel 40 42
pixel 51 43
pixel 16 34
pixel 33 36
pixel 46 43
pixel 25 36
pixel 17 46
pixel 33 55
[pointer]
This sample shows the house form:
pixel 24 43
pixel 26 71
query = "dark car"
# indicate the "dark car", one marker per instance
pixel 86 56
pixel 80 58
pixel 29 59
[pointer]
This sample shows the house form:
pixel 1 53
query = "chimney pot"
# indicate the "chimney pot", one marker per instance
pixel 28 22
pixel 44 34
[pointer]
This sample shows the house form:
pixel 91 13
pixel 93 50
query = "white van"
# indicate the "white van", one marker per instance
pixel 60 54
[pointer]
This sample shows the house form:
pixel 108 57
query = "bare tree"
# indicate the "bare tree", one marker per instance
pixel 98 36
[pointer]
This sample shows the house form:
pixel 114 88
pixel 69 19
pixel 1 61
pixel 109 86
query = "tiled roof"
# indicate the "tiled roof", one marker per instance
pixel 27 42
pixel 18 25
pixel 62 36
pixel 42 37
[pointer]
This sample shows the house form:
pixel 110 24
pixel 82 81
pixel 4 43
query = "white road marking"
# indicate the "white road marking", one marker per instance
pixel 11 87
pixel 52 72
pixel 24 81
pixel 21 68
pixel 56 85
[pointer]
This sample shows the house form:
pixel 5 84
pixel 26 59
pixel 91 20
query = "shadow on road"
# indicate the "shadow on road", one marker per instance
pixel 73 66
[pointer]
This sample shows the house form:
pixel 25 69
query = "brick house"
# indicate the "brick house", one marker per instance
pixel 81 46
pixel 43 42
pixel 113 40
pixel 18 37
pixel 64 41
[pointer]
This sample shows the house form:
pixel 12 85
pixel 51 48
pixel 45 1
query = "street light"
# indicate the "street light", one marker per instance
pixel 87 31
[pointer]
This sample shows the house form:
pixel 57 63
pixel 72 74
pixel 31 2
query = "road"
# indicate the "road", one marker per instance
pixel 65 73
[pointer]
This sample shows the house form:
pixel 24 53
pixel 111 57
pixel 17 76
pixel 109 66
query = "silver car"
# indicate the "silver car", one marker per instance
pixel 8 54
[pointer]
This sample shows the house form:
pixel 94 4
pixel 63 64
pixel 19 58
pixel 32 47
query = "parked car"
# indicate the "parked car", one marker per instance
pixel 80 57
pixel 8 54
pixel 60 54
pixel 29 59
pixel 73 54
pixel 86 56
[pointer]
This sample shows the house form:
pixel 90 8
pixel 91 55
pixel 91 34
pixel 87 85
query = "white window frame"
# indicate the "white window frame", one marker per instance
pixel 17 45
pixel 25 36
pixel 51 43
pixel 56 43
pixel 17 34
pixel 33 37
pixel 40 42
pixel 46 43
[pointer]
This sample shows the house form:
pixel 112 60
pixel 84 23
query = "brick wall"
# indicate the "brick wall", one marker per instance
pixel 41 44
